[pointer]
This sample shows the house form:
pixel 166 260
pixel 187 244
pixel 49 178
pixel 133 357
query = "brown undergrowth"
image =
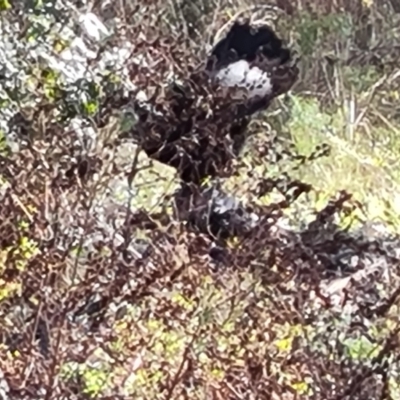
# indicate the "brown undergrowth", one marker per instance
pixel 105 293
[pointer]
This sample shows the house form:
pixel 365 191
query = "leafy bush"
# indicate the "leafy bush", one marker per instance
pixel 106 293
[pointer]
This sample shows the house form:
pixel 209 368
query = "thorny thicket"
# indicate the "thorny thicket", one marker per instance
pixel 102 299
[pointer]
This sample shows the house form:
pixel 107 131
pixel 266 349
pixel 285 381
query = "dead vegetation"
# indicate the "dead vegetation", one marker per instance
pixel 108 291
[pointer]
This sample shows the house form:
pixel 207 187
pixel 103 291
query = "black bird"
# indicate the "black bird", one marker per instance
pixel 248 69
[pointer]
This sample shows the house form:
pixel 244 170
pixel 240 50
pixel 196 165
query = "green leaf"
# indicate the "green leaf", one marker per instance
pixel 4 5
pixel 90 107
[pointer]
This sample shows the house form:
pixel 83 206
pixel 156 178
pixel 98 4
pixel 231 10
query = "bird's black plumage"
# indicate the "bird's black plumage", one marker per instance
pixel 200 125
pixel 255 61
pixel 212 211
pixel 248 42
pixel 197 134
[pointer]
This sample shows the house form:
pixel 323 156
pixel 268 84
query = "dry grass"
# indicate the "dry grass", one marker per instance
pixel 85 318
